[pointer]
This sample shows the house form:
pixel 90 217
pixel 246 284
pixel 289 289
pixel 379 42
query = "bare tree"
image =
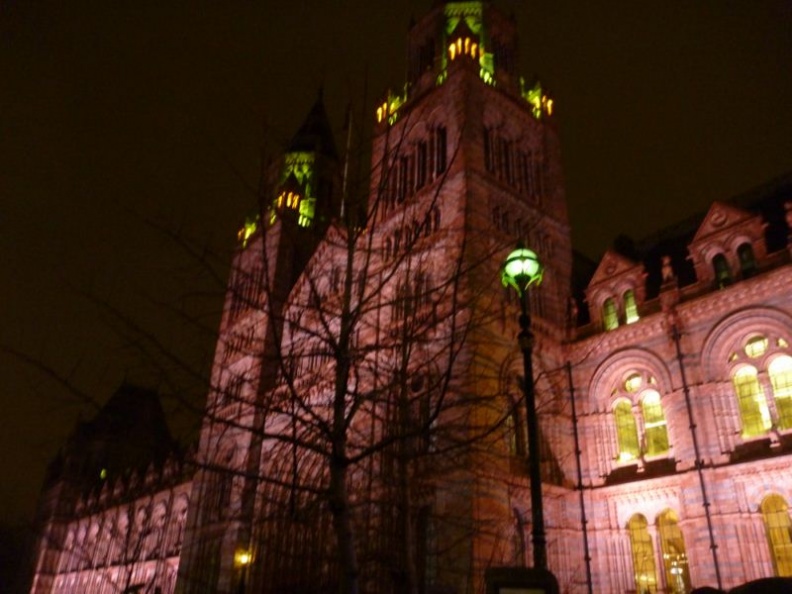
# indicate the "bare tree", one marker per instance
pixel 343 396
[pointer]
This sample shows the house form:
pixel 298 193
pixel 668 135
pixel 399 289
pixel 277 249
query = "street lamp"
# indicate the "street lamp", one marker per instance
pixel 242 559
pixel 521 270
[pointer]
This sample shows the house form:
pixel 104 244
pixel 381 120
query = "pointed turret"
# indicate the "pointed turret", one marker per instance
pixel 315 135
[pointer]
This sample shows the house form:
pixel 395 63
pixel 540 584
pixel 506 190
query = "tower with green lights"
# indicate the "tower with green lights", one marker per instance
pixel 298 200
pixel 466 155
pixel 465 163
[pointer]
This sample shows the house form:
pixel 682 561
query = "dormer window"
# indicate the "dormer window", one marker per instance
pixel 745 255
pixel 630 307
pixel 723 276
pixel 610 316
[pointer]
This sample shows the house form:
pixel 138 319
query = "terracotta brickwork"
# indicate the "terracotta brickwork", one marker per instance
pixel 678 363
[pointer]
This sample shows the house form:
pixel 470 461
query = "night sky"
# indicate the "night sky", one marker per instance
pixel 122 123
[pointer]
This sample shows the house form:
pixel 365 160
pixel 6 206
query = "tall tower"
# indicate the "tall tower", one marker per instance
pixel 466 164
pixel 468 133
pixel 299 196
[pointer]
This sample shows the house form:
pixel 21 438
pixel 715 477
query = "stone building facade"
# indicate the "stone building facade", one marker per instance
pixel 367 379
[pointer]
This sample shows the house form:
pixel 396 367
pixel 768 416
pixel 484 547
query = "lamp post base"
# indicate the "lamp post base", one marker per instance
pixel 520 580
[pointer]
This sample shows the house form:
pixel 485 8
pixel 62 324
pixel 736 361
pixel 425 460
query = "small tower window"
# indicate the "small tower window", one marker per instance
pixel 747 260
pixel 723 277
pixel 610 316
pixel 630 307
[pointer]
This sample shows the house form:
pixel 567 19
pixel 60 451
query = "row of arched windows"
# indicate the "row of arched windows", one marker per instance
pixel 761 374
pixel 674 574
pixel 638 414
pixel 611 318
pixel 411 170
pixel 761 377
pixel 724 275
pixel 674 562
pixel 125 536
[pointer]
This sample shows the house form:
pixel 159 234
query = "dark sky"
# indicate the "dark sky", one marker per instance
pixel 119 120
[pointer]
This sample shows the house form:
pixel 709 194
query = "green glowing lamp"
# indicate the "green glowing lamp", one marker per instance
pixel 521 270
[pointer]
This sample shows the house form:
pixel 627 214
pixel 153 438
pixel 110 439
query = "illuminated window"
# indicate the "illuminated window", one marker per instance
pixel 655 431
pixel 633 382
pixel 751 399
pixel 626 431
pixel 641 430
pixel 643 555
pixel 780 371
pixel 675 560
pixel 723 276
pixel 630 307
pixel 747 260
pixel 778 527
pixel 610 316
pixel 756 347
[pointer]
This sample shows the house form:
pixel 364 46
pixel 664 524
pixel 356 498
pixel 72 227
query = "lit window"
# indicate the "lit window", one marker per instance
pixel 675 560
pixel 630 307
pixel 641 430
pixel 643 555
pixel 782 343
pixel 753 405
pixel 633 382
pixel 756 347
pixel 780 370
pixel 775 514
pixel 610 316
pixel 655 431
pixel 626 432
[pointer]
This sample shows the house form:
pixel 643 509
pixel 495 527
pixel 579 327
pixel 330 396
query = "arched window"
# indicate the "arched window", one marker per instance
pixel 675 560
pixel 655 430
pixel 643 555
pixel 630 307
pixel 644 434
pixel 723 277
pixel 747 260
pixel 775 514
pixel 780 370
pixel 751 399
pixel 610 316
pixel 626 431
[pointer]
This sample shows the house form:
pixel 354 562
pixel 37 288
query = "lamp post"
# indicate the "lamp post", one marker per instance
pixel 521 270
pixel 242 560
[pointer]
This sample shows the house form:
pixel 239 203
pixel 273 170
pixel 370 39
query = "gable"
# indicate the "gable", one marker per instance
pixel 611 265
pixel 719 217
